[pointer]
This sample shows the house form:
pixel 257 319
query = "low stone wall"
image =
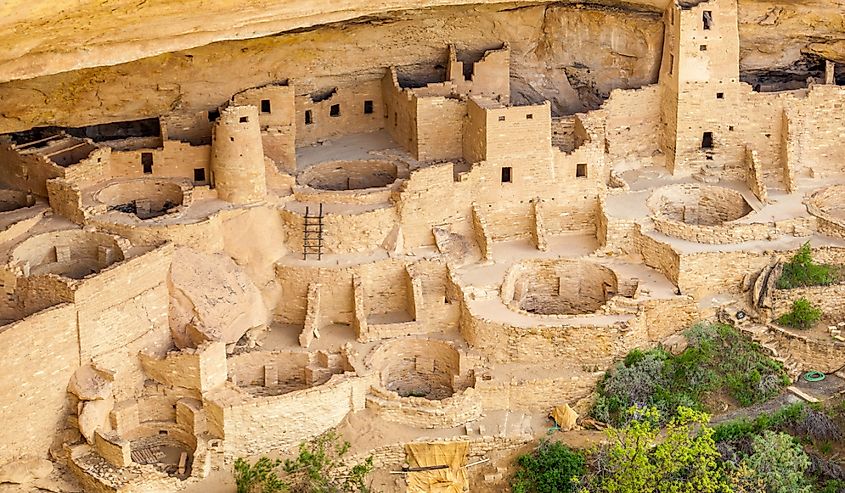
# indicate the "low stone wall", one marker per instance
pixel 823 356
pixel 419 412
pixel 252 425
pixel 830 299
pixel 820 204
pixel 733 232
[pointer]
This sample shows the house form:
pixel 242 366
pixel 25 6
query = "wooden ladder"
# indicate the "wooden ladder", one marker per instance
pixel 312 238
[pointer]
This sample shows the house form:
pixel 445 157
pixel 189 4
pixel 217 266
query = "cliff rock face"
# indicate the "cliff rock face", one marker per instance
pixel 572 54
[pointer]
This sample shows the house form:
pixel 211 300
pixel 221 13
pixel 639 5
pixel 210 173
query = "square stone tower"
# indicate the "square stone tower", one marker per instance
pixel 700 86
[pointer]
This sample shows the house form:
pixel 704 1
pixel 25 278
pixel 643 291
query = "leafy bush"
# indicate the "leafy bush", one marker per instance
pixel 317 469
pixel 551 468
pixel 745 428
pixel 780 463
pixel 803 315
pixel 801 271
pixel 639 459
pixel 259 477
pixel 717 357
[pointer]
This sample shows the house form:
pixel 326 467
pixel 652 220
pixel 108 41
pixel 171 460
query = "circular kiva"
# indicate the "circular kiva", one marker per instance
pixel 349 175
pixel 700 205
pixel 558 287
pixel 143 197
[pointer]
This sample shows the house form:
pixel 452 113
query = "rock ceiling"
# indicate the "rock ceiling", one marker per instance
pixel 91 61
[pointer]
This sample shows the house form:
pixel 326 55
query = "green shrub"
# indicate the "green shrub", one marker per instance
pixel 317 469
pixel 641 459
pixel 717 357
pixel 551 468
pixel 259 477
pixel 784 417
pixel 780 463
pixel 803 315
pixel 801 271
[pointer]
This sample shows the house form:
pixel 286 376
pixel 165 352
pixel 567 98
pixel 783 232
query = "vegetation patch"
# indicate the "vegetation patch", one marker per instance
pixel 717 359
pixel 802 316
pixel 552 467
pixel 780 452
pixel 319 468
pixel 802 271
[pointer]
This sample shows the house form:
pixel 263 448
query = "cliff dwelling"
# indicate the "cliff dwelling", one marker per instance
pixel 407 223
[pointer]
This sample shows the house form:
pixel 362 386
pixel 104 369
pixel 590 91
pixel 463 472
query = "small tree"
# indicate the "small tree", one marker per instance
pixel 801 270
pixel 551 468
pixel 780 463
pixel 638 460
pixel 803 315
pixel 259 477
pixel 319 468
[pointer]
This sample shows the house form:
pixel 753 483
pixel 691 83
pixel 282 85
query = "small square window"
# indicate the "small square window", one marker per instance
pixel 720 95
pixel 506 174
pixel 244 119
pixel 308 119
pixel 334 110
pixel 529 116
pixel 702 48
pixel 368 107
pixel 581 170
pixel 147 162
pixel 199 174
pixel 265 106
pixel 731 128
pixel 501 118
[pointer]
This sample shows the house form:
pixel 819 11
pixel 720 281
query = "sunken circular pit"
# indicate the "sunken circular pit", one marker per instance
pixel 558 287
pixel 146 198
pixel 422 383
pixel 349 175
pixel 828 206
pixel 424 368
pixel 699 205
pixel 706 214
pixel 72 253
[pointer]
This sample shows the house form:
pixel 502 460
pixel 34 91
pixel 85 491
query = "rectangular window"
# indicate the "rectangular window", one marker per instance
pixel 707 19
pixel 213 115
pixel 702 48
pixel 506 174
pixel 720 95
pixel 147 162
pixel 707 140
pixel 334 110
pixel 199 174
pixel 368 107
pixel 244 119
pixel 581 170
pixel 501 118
pixel 671 64
pixel 529 116
pixel 265 106
pixel 308 119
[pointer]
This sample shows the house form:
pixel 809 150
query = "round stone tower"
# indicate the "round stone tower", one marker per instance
pixel 237 156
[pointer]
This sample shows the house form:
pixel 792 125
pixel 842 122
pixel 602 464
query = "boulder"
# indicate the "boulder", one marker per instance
pixel 88 384
pixel 211 299
pixel 25 470
pixel 94 416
